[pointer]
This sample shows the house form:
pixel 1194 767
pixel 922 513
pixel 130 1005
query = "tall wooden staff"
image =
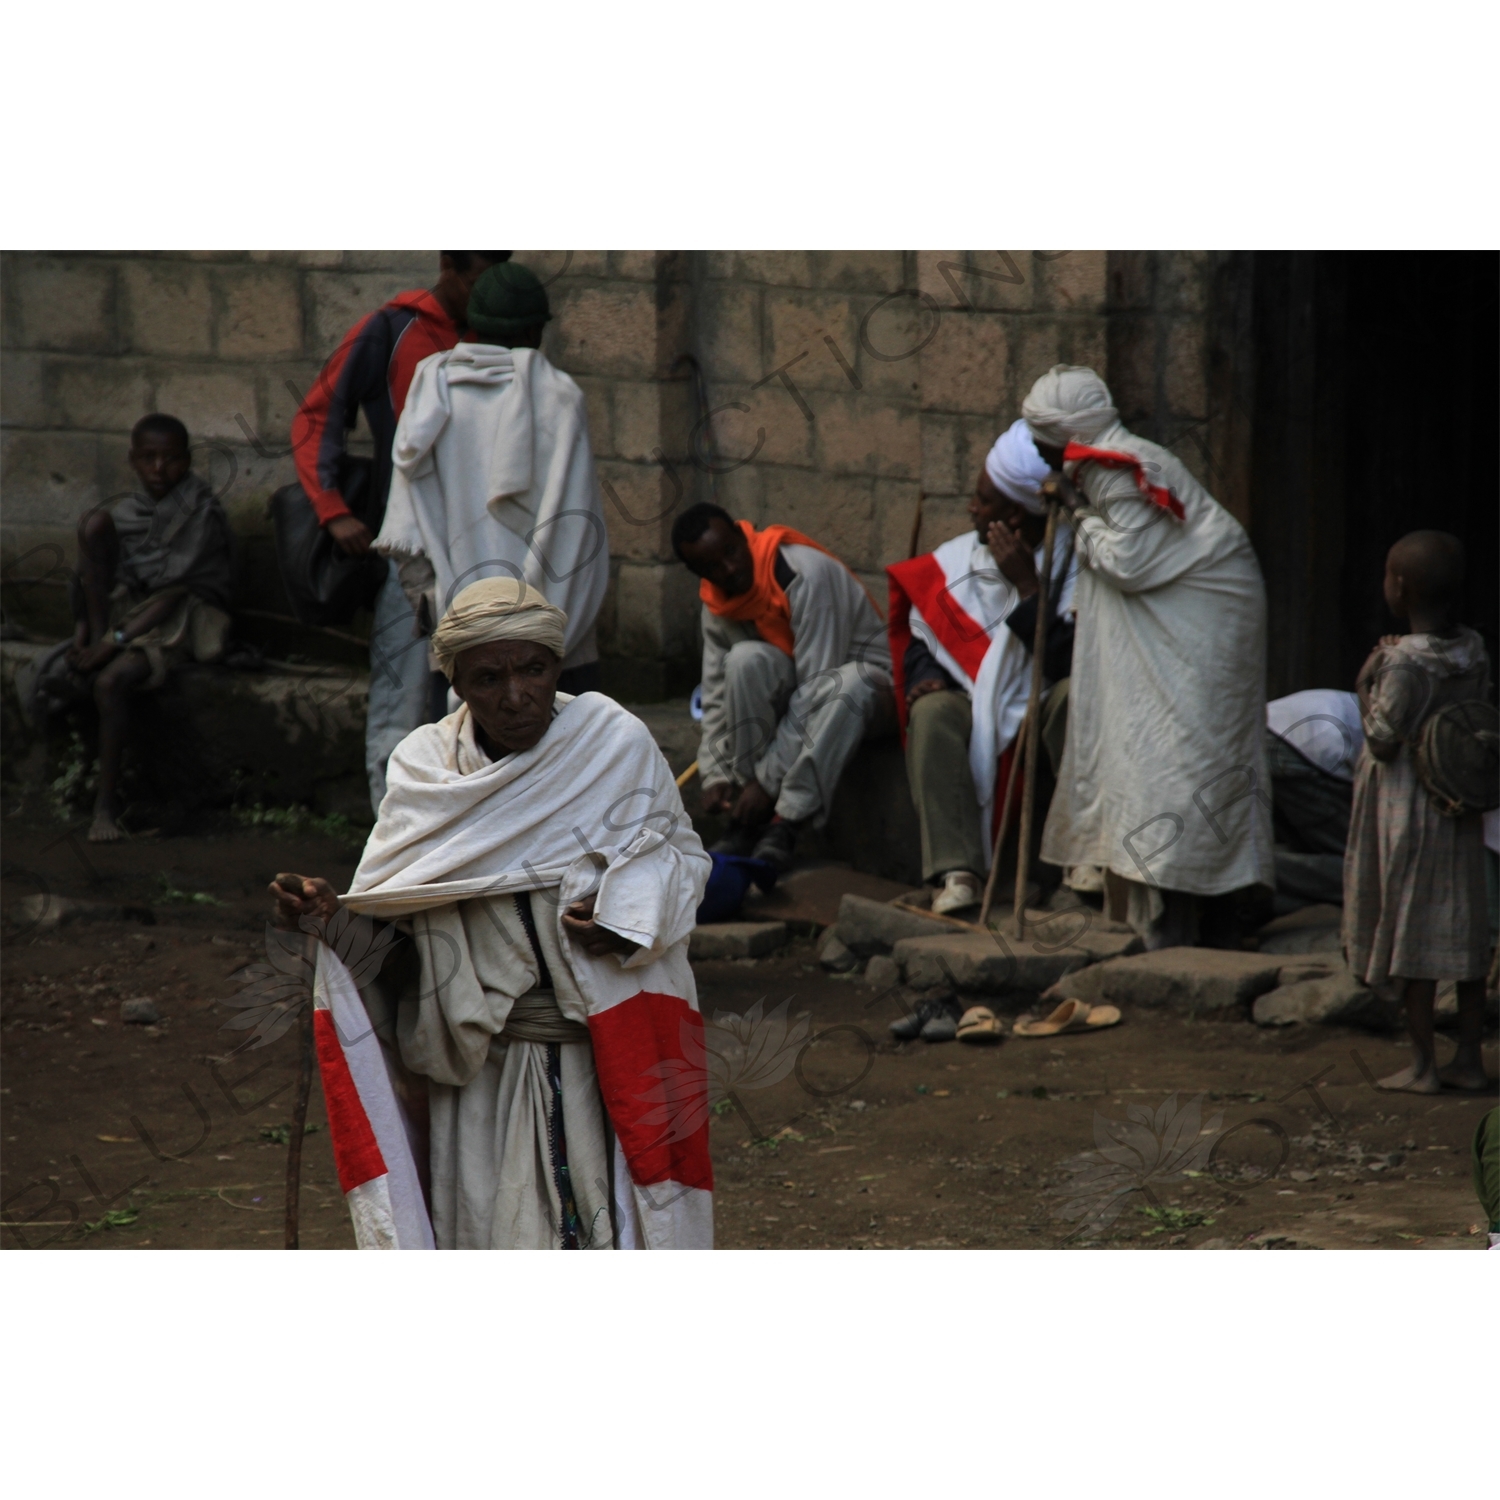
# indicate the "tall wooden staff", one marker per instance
pixel 1033 726
pixel 1029 736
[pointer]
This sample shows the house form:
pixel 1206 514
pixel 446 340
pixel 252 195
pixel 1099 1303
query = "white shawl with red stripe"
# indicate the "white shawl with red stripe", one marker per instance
pixel 592 809
pixel 956 601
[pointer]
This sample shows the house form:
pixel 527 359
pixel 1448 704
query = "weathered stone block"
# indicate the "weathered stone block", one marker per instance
pixel 942 437
pixel 637 265
pixel 772 426
pixel 941 519
pixel 651 418
pixel 1208 981
pixel 606 330
pixel 736 939
pixel 977 280
pixel 260 316
pixel 859 435
pixel 883 972
pixel 419 267
pixel 554 268
pixel 48 476
pixel 894 333
pixel 966 367
pixel 776 267
pixel 866 927
pixel 1338 1000
pixel 858 270
pixel 142 1011
pixel 1185 377
pixel 64 304
pixel 895 509
pixel 996 963
pixel 282 389
pixel 1074 282
pixel 639 500
pixel 1307 969
pixel 834 955
pixel 1036 346
pixel 1314 929
pixel 797 324
pixel 167 307
pixel 318 260
pixel 23 395
pixel 209 400
pixel 729 317
pixel 656 610
pixel 839 513
pixel 108 395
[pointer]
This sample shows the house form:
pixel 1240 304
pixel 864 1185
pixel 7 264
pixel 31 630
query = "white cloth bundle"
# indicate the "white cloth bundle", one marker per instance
pixel 494 477
pixel 1069 404
pixel 1016 469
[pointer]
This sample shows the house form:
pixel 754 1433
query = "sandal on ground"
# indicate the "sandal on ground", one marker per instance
pixel 1071 1015
pixel 980 1026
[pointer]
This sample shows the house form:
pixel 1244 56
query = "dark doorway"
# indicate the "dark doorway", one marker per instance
pixel 1376 411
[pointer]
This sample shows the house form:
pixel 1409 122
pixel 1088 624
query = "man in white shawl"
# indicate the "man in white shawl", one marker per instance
pixel 535 847
pixel 1163 775
pixel 494 474
pixel 962 624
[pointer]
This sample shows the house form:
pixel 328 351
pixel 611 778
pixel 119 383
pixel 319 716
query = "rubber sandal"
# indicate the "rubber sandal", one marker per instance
pixel 1070 1014
pixel 980 1026
pixel 1100 1016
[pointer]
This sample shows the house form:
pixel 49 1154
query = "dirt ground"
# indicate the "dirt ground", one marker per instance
pixel 125 1136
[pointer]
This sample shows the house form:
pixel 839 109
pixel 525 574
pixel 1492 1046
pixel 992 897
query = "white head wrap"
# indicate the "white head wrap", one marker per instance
pixel 1070 403
pixel 1016 469
pixel 497 609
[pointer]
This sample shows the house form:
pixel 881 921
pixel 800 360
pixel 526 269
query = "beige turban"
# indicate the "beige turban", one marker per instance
pixel 497 609
pixel 1070 403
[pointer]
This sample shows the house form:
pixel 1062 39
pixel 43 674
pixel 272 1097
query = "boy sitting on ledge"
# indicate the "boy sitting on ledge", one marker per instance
pixel 151 591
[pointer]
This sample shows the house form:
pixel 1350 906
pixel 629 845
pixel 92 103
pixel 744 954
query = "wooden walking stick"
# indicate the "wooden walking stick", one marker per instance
pixel 989 885
pixel 1033 725
pixel 304 1090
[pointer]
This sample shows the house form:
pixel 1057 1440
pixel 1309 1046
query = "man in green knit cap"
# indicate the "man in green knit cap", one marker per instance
pixel 494 473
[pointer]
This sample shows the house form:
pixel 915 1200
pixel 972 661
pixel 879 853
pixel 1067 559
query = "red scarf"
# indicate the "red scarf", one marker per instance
pixel 1108 458
pixel 764 603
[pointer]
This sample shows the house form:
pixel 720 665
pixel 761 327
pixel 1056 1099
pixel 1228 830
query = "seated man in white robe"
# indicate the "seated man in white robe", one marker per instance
pixel 963 623
pixel 1163 775
pixel 494 473
pixel 796 672
pixel 536 849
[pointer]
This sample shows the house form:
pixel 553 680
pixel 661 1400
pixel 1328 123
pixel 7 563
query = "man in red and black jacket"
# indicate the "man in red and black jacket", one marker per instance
pixel 372 369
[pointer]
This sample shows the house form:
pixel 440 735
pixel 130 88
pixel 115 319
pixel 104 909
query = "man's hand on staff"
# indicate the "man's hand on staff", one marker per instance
pixel 1013 557
pixel 301 896
pixel 578 919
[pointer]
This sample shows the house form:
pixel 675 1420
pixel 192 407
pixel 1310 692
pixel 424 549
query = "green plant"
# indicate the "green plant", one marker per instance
pixel 292 820
pixel 281 1135
pixel 116 1218
pixel 1172 1220
pixel 171 895
pixel 75 786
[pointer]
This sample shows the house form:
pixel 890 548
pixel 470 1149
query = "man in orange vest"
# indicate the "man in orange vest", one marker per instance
pixel 796 672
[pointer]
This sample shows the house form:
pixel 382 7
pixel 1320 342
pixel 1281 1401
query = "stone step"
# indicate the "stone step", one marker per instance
pixel 1194 981
pixel 1314 929
pixel 736 939
pixel 996 963
pixel 868 927
pixel 1339 999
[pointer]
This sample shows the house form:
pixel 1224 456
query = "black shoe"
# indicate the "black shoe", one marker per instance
pixel 776 846
pixel 934 1020
pixel 739 841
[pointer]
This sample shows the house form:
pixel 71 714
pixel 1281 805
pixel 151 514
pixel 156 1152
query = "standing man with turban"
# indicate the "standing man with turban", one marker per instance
pixel 1163 776
pixel 796 672
pixel 370 372
pixel 494 473
pixel 963 620
pixel 535 849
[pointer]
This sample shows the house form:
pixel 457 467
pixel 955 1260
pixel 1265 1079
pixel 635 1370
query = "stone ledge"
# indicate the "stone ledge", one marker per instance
pixel 736 939
pixel 1194 981
pixel 995 964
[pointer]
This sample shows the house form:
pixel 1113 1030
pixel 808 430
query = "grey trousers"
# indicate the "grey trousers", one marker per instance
pixel 400 681
pixel 795 741
pixel 942 786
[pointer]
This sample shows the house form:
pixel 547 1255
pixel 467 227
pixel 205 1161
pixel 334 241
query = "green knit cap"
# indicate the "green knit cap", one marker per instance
pixel 506 299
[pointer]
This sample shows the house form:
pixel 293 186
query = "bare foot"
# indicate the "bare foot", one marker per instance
pixel 104 829
pixel 1413 1080
pixel 1465 1073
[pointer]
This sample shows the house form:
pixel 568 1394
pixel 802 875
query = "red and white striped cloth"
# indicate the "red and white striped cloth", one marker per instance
pixel 374 1147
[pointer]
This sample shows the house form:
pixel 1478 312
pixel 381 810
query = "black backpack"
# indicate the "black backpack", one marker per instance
pixel 323 585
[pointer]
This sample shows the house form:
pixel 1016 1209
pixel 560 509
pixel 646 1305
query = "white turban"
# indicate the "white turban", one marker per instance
pixel 497 609
pixel 1016 469
pixel 1070 403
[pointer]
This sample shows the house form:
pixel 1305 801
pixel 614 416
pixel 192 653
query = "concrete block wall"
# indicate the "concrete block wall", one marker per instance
pixel 823 389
